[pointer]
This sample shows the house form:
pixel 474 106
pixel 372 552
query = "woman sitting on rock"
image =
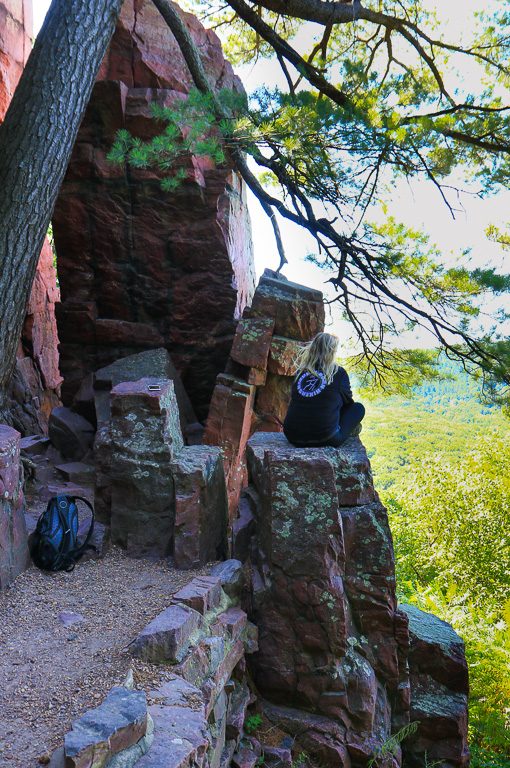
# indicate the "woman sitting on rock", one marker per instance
pixel 321 410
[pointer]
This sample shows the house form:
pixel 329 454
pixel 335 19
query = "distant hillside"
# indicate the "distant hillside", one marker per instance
pixel 443 416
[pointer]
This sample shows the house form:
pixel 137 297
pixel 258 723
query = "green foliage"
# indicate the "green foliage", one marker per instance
pixel 400 372
pixel 482 758
pixel 455 521
pixel 389 747
pixel 50 237
pixel 189 129
pixel 449 507
pixel 497 236
pixel 252 723
pixel 380 107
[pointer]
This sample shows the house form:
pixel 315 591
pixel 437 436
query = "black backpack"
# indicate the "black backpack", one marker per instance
pixel 56 546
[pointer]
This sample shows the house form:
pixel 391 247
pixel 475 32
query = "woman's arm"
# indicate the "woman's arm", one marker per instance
pixel 343 385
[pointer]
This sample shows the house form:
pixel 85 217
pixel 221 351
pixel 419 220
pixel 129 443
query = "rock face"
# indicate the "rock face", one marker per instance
pixel 14 556
pixel 254 392
pixel 15 46
pixel 35 387
pixel 439 692
pixel 332 640
pixel 140 268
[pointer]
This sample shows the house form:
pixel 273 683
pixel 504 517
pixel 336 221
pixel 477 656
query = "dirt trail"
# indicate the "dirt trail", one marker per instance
pixel 54 665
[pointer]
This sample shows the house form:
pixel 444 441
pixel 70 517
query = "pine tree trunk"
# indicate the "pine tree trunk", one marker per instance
pixel 36 140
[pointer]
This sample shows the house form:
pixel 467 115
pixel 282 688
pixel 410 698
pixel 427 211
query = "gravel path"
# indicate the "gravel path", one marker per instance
pixel 50 672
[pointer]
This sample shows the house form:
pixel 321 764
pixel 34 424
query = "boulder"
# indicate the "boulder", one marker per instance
pixel 70 433
pixel 283 355
pixel 14 555
pixel 231 624
pixel 154 363
pixel 439 692
pixel 436 649
pixel 201 508
pixel 183 276
pixel 167 637
pixel 77 472
pixel 100 539
pixel 252 342
pixel 181 736
pixel 202 594
pixel 275 757
pixel 239 701
pixel 298 311
pixel 231 573
pixel 228 426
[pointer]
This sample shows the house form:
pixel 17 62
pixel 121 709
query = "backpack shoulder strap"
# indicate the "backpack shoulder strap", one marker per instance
pixel 78 552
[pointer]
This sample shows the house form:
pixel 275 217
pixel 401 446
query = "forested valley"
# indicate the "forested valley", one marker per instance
pixel 440 461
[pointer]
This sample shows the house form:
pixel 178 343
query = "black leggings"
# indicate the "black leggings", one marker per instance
pixel 350 416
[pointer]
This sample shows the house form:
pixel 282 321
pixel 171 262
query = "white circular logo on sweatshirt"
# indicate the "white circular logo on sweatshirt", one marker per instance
pixel 310 385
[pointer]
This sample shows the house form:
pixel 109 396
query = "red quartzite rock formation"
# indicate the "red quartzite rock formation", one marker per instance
pixel 35 388
pixel 140 268
pixel 254 392
pixel 15 46
pixel 335 658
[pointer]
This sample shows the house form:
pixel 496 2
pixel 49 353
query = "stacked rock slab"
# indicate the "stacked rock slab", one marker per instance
pixel 203 636
pixel 163 498
pixel 14 557
pixel 140 268
pixel 333 654
pixel 254 392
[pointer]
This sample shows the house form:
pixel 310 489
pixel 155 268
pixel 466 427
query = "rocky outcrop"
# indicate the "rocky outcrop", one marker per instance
pixel 35 387
pixel 334 657
pixel 254 392
pixel 155 363
pixel 140 268
pixel 14 557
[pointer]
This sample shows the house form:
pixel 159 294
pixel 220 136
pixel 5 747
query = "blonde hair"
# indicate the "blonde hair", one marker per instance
pixel 319 355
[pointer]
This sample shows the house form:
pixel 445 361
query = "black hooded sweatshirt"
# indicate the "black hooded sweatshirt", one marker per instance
pixel 314 410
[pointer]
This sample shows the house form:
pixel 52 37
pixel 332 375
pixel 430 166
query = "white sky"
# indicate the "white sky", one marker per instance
pixel 418 205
